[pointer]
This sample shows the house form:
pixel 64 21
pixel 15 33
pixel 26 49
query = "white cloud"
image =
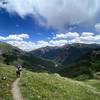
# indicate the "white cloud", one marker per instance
pixel 76 40
pixel 2 38
pixel 27 46
pixel 97 39
pixel 85 34
pixel 20 42
pixel 74 37
pixel 42 43
pixel 14 37
pixel 57 42
pixel 87 40
pixel 68 35
pixel 23 36
pixel 57 13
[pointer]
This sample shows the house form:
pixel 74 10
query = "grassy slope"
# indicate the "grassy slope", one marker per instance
pixel 43 86
pixel 5 85
pixel 94 83
pixel 11 55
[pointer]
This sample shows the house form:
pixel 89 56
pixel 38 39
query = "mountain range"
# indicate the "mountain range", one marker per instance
pixel 74 60
pixel 66 54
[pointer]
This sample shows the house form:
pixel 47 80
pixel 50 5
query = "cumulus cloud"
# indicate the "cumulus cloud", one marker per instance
pixel 68 35
pixel 58 40
pixel 42 43
pixel 14 37
pixel 87 40
pixel 74 37
pixel 23 36
pixel 28 45
pixel 55 13
pixel 19 40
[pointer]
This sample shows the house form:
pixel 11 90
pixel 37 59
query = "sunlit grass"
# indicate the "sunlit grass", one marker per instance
pixel 44 86
pixel 7 76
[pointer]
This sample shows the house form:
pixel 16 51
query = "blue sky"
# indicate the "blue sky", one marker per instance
pixel 33 24
pixel 14 24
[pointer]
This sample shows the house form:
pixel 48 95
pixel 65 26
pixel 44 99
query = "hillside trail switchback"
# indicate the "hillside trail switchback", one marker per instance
pixel 16 91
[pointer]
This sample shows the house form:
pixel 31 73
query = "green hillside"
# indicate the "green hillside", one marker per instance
pixel 86 68
pixel 7 77
pixel 94 83
pixel 11 55
pixel 43 86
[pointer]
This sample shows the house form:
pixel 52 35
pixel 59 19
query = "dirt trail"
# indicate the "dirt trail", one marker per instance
pixel 16 91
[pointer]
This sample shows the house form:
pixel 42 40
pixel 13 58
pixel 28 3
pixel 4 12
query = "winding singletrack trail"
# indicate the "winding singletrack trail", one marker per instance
pixel 16 91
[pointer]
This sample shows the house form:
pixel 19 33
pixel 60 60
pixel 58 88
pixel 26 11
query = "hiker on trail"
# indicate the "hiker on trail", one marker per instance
pixel 18 70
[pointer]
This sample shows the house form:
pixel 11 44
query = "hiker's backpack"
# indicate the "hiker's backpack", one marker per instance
pixel 20 68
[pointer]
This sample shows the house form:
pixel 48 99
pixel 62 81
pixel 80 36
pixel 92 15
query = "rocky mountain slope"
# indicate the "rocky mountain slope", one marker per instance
pixel 66 54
